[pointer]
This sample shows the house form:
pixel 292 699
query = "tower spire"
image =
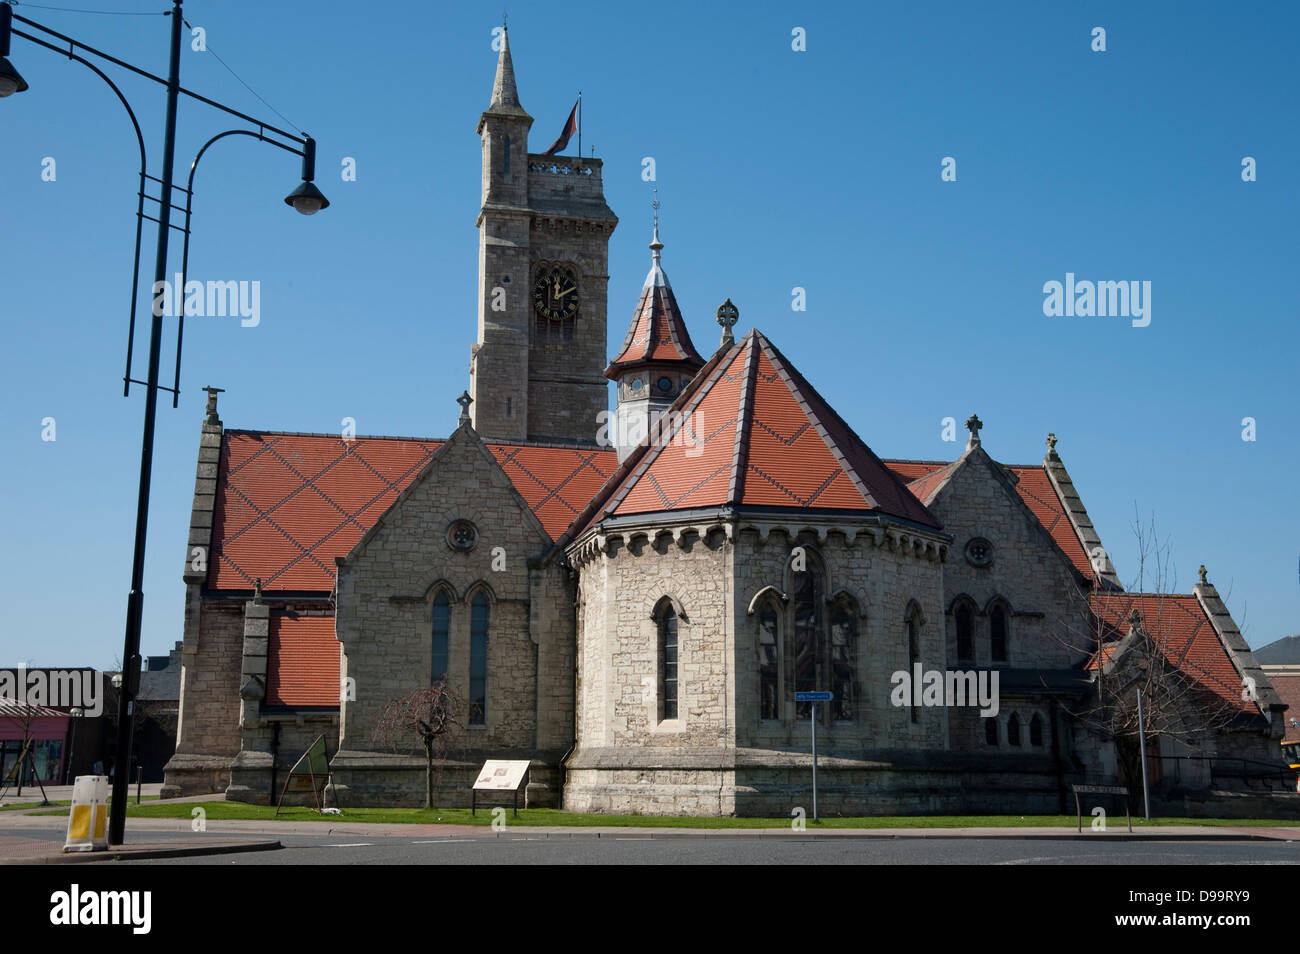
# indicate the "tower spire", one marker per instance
pixel 505 95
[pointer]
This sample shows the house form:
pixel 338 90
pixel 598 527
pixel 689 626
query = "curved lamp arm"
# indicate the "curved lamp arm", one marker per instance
pixel 139 207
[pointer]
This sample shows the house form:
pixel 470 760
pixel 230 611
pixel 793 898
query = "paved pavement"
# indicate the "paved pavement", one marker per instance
pixel 63 793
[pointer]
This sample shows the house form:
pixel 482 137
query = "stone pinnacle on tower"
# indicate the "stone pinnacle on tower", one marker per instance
pixel 505 97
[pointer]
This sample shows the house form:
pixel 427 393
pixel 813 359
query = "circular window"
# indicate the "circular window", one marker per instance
pixel 462 535
pixel 665 384
pixel 979 552
pixel 636 385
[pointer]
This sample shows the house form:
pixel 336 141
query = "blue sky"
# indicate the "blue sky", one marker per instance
pixel 818 169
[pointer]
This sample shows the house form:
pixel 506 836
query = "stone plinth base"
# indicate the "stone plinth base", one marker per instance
pixel 195 774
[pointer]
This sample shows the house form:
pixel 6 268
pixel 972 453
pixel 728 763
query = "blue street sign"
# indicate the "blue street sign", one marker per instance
pixel 812 697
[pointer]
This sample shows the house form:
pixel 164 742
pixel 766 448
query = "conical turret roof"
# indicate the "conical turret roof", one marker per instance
pixel 658 334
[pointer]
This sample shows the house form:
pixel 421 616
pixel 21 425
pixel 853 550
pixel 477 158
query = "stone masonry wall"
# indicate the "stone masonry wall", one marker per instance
pixel 384 615
pixel 1048 625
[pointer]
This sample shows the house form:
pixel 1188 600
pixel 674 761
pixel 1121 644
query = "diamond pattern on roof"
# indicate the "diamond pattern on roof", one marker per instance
pixel 288 504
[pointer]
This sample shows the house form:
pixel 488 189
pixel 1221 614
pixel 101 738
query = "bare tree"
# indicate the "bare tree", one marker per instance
pixel 432 715
pixel 1139 641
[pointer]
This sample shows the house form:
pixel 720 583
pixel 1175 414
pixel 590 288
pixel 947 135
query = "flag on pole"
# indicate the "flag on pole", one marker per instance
pixel 570 127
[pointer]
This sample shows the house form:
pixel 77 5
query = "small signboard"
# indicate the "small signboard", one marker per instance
pixel 499 775
pixel 813 697
pixel 311 773
pixel 1101 790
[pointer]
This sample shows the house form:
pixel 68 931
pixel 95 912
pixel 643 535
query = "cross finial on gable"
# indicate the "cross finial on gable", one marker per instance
pixel 1051 442
pixel 973 424
pixel 1204 573
pixel 727 315
pixel 464 401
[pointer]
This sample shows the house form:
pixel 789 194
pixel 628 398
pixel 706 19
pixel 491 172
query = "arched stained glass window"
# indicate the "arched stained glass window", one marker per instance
pixel 914 656
pixel 806 645
pixel 1036 730
pixel 1013 730
pixel 478 654
pixel 998 633
pixel 769 663
pixel 441 636
pixel 668 662
pixel 965 633
pixel 844 661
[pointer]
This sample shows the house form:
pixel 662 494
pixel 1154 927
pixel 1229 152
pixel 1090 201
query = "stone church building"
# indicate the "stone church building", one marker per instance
pixel 631 600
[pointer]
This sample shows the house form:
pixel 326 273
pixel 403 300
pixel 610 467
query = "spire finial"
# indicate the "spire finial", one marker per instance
pixel 257 591
pixel 464 401
pixel 655 244
pixel 727 315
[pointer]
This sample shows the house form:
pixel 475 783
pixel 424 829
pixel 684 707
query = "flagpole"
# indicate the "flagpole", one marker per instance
pixel 579 124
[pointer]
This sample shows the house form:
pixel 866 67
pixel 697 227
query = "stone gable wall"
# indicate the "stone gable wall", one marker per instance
pixel 1028 572
pixel 384 615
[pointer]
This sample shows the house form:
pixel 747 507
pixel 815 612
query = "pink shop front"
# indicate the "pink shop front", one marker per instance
pixel 48 731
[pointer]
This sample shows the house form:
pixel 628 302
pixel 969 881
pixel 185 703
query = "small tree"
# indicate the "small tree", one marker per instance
pixel 1145 651
pixel 433 715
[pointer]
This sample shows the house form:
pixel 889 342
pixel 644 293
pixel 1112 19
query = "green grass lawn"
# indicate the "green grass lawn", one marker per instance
pixel 230 811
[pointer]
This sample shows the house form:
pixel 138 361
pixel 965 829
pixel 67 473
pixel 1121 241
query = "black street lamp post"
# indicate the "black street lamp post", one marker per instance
pixel 306 198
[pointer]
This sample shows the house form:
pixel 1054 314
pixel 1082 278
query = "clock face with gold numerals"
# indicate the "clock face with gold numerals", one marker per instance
pixel 555 294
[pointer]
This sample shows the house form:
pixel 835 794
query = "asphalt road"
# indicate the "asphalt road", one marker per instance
pixel 520 847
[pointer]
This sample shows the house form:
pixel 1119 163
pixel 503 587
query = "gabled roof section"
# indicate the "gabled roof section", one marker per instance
pixel 926 477
pixel 1182 629
pixel 658 334
pixel 926 488
pixel 750 430
pixel 288 504
pixel 1102 568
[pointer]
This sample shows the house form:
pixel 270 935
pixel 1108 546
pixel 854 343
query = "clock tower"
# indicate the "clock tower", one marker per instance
pixel 536 370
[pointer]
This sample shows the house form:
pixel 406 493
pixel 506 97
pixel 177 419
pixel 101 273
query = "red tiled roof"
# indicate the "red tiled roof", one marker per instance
pixel 1034 487
pixel 287 504
pixel 1184 633
pixel 657 333
pixel 555 482
pixel 302 668
pixel 924 487
pixel 754 432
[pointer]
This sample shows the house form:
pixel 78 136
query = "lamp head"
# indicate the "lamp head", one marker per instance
pixel 307 199
pixel 10 80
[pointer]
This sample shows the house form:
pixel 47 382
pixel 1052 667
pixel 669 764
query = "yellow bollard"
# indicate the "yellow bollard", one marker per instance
pixel 89 816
